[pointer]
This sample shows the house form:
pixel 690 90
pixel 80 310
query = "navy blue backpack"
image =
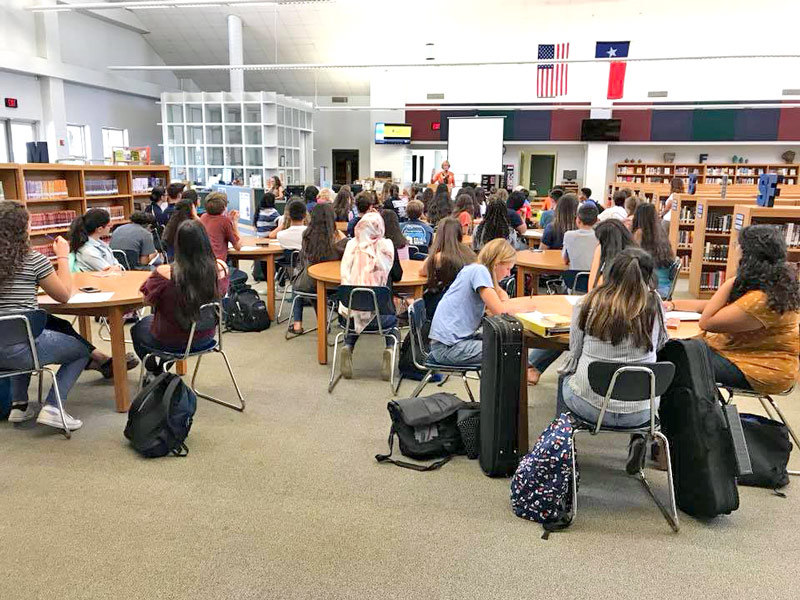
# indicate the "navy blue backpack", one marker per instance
pixel 5 398
pixel 541 489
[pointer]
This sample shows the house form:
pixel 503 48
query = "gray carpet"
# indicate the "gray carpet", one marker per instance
pixel 286 501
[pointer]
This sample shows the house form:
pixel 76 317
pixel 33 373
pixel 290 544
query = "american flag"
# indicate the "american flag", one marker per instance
pixel 551 79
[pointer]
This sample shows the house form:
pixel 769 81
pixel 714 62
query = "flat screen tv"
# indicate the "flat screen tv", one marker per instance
pixel 392 133
pixel 600 130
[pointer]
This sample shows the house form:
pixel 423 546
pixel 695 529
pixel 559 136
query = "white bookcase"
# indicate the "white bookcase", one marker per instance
pixel 251 133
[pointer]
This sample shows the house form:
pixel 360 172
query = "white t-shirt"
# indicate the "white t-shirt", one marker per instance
pixel 615 212
pixel 668 203
pixel 292 238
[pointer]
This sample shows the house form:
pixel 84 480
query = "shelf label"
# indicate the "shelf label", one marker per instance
pixel 737 225
pixel 699 210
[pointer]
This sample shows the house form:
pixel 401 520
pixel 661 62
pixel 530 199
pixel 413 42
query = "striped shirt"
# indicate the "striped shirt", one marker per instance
pixel 585 349
pixel 19 294
pixel 267 221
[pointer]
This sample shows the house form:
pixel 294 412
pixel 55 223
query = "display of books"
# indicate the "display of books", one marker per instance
pixel 102 187
pixel 52 219
pixel 48 188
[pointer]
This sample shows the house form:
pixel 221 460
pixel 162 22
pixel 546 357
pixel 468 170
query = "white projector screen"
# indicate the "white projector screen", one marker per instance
pixel 475 146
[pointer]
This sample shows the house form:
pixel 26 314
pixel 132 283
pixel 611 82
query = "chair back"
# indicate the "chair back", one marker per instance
pixel 630 382
pixel 23 329
pixel 674 272
pixel 417 315
pixel 376 299
pixel 210 318
pixel 122 258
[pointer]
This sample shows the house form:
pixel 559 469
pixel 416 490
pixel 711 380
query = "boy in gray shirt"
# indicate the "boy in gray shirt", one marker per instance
pixel 580 243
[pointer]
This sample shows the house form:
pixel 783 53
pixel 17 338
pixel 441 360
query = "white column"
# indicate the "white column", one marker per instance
pixel 235 52
pixel 54 112
pixel 595 171
pixel 386 90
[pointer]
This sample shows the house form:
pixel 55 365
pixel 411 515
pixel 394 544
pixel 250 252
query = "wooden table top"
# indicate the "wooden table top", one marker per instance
pixel 330 272
pixel 255 247
pixel 125 287
pixel 560 306
pixel 547 260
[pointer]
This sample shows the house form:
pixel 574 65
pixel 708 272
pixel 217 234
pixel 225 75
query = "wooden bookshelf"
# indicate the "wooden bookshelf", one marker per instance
pixel 744 215
pixel 681 229
pixel 155 174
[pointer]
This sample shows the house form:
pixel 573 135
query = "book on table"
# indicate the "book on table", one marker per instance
pixel 545 325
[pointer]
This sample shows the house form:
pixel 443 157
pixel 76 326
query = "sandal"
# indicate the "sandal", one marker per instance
pixel 293 333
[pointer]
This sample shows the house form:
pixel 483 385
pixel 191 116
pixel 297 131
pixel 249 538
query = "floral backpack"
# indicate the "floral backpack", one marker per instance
pixel 541 489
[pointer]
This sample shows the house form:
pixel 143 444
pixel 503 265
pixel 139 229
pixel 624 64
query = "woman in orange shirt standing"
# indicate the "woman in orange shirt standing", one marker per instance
pixel 445 176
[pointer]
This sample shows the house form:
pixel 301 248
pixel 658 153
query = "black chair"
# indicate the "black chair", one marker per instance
pixel 630 383
pixel 122 258
pixel 573 283
pixel 24 329
pixel 287 267
pixel 420 352
pixel 375 300
pixel 210 317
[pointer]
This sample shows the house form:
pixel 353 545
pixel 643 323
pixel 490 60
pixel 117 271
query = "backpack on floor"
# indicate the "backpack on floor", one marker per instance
pixel 769 447
pixel 5 398
pixel 541 489
pixel 245 310
pixel 160 417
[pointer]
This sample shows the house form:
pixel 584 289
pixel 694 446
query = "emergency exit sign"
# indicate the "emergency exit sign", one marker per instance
pixel 11 103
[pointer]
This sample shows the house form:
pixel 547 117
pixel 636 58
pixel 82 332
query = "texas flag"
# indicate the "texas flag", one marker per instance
pixel 616 74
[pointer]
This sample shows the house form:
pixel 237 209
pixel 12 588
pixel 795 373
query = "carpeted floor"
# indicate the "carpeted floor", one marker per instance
pixel 286 501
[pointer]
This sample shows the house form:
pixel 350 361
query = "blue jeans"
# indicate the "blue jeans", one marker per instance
pixel 298 305
pixel 467 352
pixel 569 401
pixel 388 324
pixel 540 358
pixel 53 348
pixel 143 340
pixel 727 373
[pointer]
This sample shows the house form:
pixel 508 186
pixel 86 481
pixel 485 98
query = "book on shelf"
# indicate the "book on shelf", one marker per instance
pixel 545 325
pixel 711 280
pixel 145 185
pixel 687 214
pixel 36 189
pixel 52 219
pixel 715 252
pixel 101 187
pixel 685 237
pixel 117 213
pixel 44 249
pixel 685 262
pixel 790 233
pixel 719 223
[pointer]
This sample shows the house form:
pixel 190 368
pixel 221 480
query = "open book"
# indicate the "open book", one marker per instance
pixel 545 325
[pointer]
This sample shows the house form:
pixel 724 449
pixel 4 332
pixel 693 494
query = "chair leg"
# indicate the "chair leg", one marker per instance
pixel 395 343
pixel 400 379
pixel 59 404
pixel 670 515
pixel 466 385
pixel 421 385
pixel 444 380
pixel 332 382
pixel 278 320
pixel 785 422
pixel 241 405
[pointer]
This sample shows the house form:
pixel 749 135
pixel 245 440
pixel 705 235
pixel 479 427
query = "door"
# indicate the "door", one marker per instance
pixel 542 173
pixel 345 166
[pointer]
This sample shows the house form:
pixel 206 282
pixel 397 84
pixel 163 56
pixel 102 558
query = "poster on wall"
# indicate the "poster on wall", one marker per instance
pixel 508 176
pixel 244 206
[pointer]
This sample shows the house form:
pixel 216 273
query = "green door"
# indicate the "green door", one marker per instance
pixel 542 171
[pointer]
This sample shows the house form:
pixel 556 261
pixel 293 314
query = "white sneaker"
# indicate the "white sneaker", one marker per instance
pixel 49 415
pixel 17 415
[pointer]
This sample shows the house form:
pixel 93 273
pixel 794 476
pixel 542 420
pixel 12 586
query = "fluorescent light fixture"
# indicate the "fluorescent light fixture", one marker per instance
pixel 156 4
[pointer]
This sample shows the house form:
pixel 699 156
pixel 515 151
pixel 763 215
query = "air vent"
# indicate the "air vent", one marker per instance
pixel 791 92
pixel 339 99
pixel 656 94
pixel 435 96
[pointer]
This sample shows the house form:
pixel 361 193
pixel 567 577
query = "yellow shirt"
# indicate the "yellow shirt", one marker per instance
pixel 767 356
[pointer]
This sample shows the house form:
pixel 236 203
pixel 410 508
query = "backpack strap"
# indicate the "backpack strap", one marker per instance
pixel 181 449
pixel 381 458
pixel 559 525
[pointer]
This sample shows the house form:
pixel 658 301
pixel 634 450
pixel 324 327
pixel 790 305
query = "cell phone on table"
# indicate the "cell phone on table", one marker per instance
pixel 89 289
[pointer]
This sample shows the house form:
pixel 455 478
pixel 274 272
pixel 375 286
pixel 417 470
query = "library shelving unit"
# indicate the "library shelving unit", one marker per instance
pixel 237 136
pixel 681 229
pixel 713 222
pixel 787 217
pixel 654 193
pixel 144 178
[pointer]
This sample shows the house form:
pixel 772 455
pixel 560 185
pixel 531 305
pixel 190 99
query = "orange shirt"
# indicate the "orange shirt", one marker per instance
pixel 441 176
pixel 465 220
pixel 548 204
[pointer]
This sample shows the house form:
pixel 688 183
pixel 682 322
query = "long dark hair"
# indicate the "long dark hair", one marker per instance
pixel 763 267
pixel 464 203
pixel 427 197
pixel 319 238
pixel 343 203
pixel 85 225
pixel 393 231
pixel 441 206
pixel 194 272
pixel 15 244
pixel 183 212
pixel 625 304
pixel 495 223
pixel 452 254
pixel 310 194
pixel 155 194
pixel 654 238
pixel 614 237
pixel 277 181
pixel 564 217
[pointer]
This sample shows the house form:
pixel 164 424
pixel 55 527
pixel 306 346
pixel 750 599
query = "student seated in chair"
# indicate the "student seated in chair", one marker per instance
pixel 363 206
pixel 221 228
pixel 136 239
pixel 417 232
pixel 184 211
pixel 751 321
pixel 566 212
pixel 291 237
pixel 448 255
pixel 650 235
pixel 622 320
pixel 455 337
pixel 579 244
pixel 177 292
pixel 85 242
pixel 370 259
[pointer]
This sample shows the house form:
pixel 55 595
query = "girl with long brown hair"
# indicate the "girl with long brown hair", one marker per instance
pixel 564 220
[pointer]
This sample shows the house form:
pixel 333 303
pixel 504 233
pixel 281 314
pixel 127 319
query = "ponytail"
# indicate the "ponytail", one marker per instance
pixel 85 225
pixel 155 194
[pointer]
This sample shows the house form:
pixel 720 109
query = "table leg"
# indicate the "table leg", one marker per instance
pixel 418 292
pixel 322 324
pixel 118 357
pixel 85 327
pixel 180 367
pixel 534 283
pixel 270 260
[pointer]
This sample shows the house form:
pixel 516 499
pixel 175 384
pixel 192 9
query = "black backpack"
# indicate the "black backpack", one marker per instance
pixel 245 310
pixel 160 417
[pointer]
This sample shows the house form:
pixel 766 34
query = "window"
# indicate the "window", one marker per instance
pixel 4 153
pixel 22 132
pixel 113 138
pixel 77 140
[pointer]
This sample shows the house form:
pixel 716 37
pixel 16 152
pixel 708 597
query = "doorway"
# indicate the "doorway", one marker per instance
pixel 542 173
pixel 345 166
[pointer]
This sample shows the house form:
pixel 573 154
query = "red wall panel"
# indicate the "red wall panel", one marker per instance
pixel 789 124
pixel 420 121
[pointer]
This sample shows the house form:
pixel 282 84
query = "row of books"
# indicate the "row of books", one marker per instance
pixel 711 280
pixel 687 214
pixel 720 171
pixel 717 223
pixel 685 260
pixel 117 213
pixel 686 171
pixel 45 249
pixel 52 219
pixel 144 185
pixel 785 171
pixel 685 237
pixel 791 233
pixel 38 189
pixel 715 252
pixel 101 187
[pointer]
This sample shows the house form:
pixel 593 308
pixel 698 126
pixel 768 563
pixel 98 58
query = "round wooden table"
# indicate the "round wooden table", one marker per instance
pixel 126 298
pixel 265 250
pixel 533 237
pixel 537 262
pixel 328 276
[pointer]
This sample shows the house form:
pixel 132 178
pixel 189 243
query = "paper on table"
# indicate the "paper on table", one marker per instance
pixel 683 315
pixel 250 248
pixel 86 298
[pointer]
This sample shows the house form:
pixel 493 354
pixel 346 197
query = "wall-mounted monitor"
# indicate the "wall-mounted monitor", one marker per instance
pixel 392 133
pixel 600 130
